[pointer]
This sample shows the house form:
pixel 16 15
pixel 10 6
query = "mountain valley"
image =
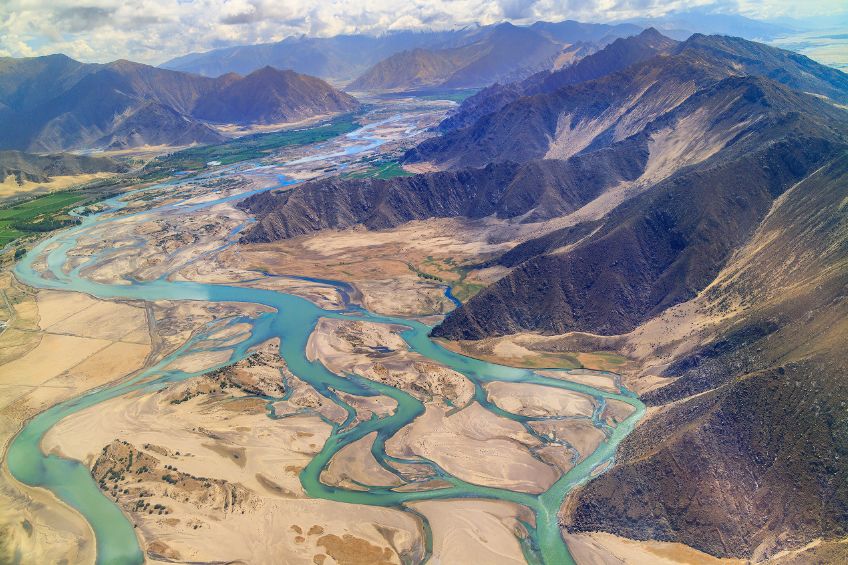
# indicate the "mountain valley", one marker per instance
pixel 546 293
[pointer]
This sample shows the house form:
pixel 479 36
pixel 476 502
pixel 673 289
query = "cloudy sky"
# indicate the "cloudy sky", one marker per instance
pixel 153 31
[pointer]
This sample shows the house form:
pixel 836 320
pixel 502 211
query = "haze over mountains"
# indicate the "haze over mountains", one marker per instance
pixel 505 53
pixel 689 209
pixel 55 103
pixel 475 56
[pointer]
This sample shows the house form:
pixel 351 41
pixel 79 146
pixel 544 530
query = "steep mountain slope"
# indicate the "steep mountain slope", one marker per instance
pixel 568 120
pixel 792 69
pixel 666 244
pixel 507 53
pixel 754 463
pixel 111 99
pixel 26 83
pixel 124 104
pixel 507 190
pixel 618 55
pixel 413 69
pixel 340 58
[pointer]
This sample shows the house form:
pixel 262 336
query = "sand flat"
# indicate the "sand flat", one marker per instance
pixel 588 377
pixel 355 462
pixel 580 433
pixel 601 548
pixel 477 446
pixel 473 531
pixel 102 320
pixel 539 400
pixel 54 306
pixel 55 354
pixel 10 188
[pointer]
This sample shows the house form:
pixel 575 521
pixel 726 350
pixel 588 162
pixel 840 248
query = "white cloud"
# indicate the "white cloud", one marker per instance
pixel 152 31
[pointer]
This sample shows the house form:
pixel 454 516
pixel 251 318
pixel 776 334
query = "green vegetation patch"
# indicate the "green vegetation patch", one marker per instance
pixel 449 272
pixel 380 170
pixel 41 214
pixel 250 147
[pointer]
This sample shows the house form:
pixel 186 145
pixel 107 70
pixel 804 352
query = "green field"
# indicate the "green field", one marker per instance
pixel 38 215
pixel 379 170
pixel 449 272
pixel 250 147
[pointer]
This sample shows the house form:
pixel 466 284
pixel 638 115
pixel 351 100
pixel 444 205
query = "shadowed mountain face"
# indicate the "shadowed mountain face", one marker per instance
pixel 588 114
pixel 540 189
pixel 125 104
pixel 663 246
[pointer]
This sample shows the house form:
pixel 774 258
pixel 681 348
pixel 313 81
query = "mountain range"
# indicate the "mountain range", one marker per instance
pixel 505 53
pixel 472 56
pixel 559 122
pixel 55 103
pixel 688 203
pixel 620 54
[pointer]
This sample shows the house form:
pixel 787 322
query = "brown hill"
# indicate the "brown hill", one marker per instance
pixel 39 168
pixel 270 95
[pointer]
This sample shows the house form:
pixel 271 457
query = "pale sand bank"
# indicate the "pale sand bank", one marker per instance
pixel 601 548
pixel 474 531
pixel 355 462
pixel 477 446
pixel 538 400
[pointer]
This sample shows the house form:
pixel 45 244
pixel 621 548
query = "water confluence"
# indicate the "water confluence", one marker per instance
pixel 292 319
